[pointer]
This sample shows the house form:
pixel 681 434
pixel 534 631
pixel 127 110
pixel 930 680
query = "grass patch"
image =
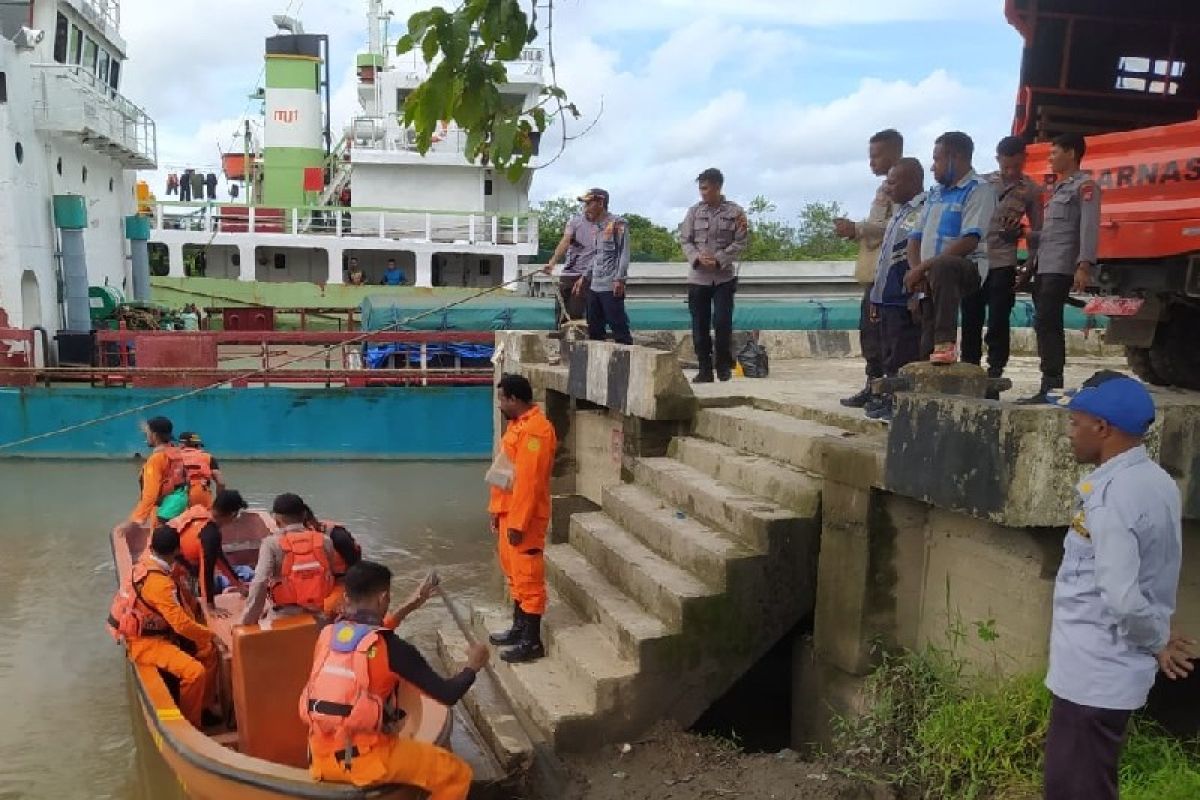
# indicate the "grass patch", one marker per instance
pixel 934 731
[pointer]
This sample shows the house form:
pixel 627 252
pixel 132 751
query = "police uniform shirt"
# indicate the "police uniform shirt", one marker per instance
pixel 584 234
pixel 1071 227
pixel 1116 588
pixel 720 231
pixel 610 263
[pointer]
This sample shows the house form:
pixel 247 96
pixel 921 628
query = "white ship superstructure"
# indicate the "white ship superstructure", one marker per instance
pixel 66 131
pixel 446 221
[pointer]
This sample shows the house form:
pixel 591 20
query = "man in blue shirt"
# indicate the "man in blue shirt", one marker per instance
pixel 948 251
pixel 1115 591
pixel 899 331
pixel 393 275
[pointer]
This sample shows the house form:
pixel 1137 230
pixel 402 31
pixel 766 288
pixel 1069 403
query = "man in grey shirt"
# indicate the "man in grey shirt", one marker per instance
pixel 604 277
pixel 578 247
pixel 1115 591
pixel 713 235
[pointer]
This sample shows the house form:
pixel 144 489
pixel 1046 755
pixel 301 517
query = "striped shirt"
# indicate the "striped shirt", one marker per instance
pixel 953 212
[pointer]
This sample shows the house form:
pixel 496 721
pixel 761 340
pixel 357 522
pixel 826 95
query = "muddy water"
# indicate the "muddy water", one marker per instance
pixel 66 724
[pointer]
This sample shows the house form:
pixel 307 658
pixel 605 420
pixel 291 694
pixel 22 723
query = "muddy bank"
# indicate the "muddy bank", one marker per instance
pixel 668 764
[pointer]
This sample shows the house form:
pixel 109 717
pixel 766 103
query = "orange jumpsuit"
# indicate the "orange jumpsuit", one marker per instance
pixel 197 674
pixel 154 475
pixel 529 443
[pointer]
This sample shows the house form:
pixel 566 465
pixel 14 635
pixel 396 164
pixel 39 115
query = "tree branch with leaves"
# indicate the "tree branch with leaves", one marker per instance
pixel 470 45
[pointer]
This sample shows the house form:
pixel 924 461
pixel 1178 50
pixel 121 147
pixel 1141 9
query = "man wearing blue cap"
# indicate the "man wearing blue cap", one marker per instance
pixel 1115 592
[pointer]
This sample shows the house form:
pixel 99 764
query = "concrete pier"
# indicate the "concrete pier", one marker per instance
pixel 694 527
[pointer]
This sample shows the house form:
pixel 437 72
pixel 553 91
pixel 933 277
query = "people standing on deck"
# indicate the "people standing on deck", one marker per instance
pixel 892 305
pixel 884 150
pixel 162 485
pixel 714 233
pixel 201 542
pixel 1066 254
pixel 1018 198
pixel 349 701
pixel 203 473
pixel 1115 592
pixel 947 253
pixel 392 274
pixel 295 565
pixel 152 618
pixel 603 280
pixel 520 514
pixel 578 247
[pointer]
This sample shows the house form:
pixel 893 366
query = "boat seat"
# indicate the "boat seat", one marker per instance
pixel 271 662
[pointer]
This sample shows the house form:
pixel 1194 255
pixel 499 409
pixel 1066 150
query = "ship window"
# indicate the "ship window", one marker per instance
pixel 487 186
pixel 485 266
pixel 61 30
pixel 3 87
pixel 59 166
pixel 280 261
pixel 1149 75
pixel 102 68
pixel 401 94
pixel 20 151
pixel 111 184
pixel 114 75
pixel 76 44
pixel 91 51
pixel 83 174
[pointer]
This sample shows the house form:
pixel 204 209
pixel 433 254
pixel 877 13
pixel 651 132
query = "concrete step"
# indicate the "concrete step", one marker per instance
pixel 542 691
pixel 767 433
pixel 789 487
pixel 755 519
pixel 638 635
pixel 667 591
pixel 487 707
pixel 582 649
pixel 686 541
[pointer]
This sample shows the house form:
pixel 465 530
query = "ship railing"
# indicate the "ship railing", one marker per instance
pixel 107 11
pixel 354 222
pixel 390 135
pixel 71 100
pixel 526 67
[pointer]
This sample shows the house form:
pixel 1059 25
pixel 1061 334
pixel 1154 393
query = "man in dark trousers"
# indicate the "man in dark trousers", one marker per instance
pixel 603 279
pixel 1116 589
pixel 1066 254
pixel 714 233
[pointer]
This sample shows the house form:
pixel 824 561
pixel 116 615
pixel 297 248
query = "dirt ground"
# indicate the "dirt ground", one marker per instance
pixel 668 764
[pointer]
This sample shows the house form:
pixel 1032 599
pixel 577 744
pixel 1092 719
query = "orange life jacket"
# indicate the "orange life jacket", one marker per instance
pixel 175 475
pixel 306 578
pixel 129 616
pixel 189 524
pixel 198 465
pixel 349 702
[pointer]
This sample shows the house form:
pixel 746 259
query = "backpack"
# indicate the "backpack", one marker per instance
pixel 306 578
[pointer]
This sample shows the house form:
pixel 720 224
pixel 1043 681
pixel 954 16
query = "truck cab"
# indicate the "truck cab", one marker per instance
pixel 1127 76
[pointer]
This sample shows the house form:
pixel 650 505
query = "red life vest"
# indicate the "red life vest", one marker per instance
pixel 198 465
pixel 189 524
pixel 129 616
pixel 306 578
pixel 350 699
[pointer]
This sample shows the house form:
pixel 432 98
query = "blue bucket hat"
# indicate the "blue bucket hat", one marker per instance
pixel 1118 399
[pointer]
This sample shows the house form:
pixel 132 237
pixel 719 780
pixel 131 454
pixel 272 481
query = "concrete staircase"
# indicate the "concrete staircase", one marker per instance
pixel 661 600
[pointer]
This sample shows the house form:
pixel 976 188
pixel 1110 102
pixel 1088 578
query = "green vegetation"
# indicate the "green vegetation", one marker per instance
pixel 935 731
pixel 771 239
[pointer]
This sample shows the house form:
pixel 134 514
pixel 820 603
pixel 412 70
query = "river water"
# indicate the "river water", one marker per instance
pixel 68 725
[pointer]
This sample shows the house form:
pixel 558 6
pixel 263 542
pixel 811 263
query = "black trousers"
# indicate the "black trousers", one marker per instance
pixel 994 302
pixel 712 312
pixel 606 310
pixel 869 338
pixel 950 280
pixel 576 303
pixel 900 335
pixel 1083 751
pixel 1050 294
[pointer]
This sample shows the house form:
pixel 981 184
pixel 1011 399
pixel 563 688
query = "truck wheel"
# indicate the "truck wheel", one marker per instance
pixel 1138 359
pixel 1174 355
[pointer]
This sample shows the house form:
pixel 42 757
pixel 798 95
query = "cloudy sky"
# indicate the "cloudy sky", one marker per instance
pixel 780 94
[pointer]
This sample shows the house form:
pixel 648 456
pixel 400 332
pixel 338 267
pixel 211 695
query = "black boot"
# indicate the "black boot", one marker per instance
pixel 530 647
pixel 705 375
pixel 513 634
pixel 859 399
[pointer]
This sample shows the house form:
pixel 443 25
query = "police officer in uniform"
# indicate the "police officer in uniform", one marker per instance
pixel 1066 255
pixel 714 233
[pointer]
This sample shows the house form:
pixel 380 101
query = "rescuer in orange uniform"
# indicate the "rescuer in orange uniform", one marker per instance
pixel 150 615
pixel 202 470
pixel 349 702
pixel 200 543
pixel 163 480
pixel 520 511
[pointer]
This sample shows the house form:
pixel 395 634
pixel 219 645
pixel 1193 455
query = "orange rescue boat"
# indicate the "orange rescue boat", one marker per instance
pixel 260 752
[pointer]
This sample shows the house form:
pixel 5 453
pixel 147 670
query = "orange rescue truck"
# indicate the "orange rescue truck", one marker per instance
pixel 1127 76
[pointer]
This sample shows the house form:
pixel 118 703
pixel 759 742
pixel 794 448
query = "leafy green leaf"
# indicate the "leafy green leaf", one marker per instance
pixel 429 46
pixel 405 44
